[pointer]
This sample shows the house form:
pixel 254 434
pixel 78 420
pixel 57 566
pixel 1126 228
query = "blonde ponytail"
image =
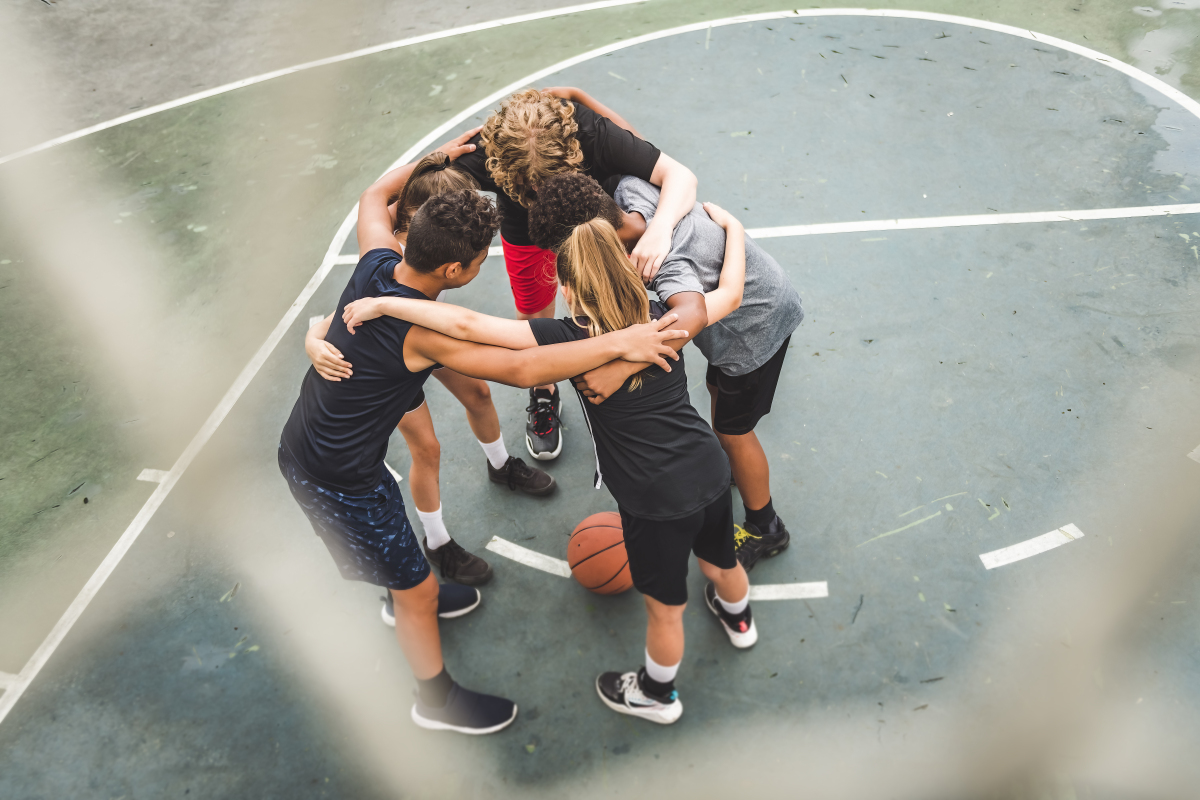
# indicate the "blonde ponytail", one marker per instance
pixel 604 286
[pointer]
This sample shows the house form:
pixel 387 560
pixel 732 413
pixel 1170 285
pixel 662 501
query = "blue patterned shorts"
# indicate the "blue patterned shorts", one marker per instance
pixel 369 536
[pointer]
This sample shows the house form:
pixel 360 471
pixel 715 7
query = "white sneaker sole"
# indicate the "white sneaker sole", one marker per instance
pixel 390 621
pixel 467 610
pixel 434 725
pixel 740 640
pixel 549 455
pixel 661 717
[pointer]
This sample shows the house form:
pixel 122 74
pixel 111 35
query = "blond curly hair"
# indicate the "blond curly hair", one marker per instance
pixel 529 139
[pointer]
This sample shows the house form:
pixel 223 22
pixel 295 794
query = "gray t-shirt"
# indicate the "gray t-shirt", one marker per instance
pixel 770 310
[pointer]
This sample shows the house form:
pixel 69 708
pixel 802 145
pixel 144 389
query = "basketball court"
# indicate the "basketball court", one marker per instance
pixel 980 441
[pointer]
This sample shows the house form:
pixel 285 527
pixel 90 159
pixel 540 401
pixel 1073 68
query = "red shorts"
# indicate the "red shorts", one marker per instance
pixel 532 275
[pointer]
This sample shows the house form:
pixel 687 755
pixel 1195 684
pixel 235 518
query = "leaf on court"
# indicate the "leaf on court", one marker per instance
pixel 742 133
pixel 232 593
pixel 529 748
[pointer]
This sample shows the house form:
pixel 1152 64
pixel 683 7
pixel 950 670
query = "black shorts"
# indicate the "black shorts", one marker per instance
pixel 742 400
pixel 658 550
pixel 417 402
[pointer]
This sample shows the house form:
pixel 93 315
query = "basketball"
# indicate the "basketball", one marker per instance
pixel 596 554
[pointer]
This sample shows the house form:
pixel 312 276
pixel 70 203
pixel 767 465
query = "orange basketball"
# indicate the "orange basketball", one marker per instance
pixel 596 554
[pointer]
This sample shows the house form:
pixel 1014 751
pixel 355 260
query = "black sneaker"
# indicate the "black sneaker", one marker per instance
pixel 457 565
pixel 739 627
pixel 753 544
pixel 465 712
pixel 543 428
pixel 623 693
pixel 516 474
pixel 453 601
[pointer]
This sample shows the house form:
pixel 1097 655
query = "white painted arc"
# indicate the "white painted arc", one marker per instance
pixel 1188 103
pixel 322 62
pixel 152 475
pixel 395 474
pixel 1195 455
pixel 1031 547
pixel 135 527
pixel 7 679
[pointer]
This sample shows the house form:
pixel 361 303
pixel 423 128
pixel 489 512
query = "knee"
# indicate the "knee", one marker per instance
pixel 421 599
pixel 426 450
pixel 662 613
pixel 479 397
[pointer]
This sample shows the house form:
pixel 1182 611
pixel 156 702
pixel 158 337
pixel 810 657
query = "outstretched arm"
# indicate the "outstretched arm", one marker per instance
pixel 726 298
pixel 577 95
pixel 541 365
pixel 453 321
pixel 376 224
pixel 677 198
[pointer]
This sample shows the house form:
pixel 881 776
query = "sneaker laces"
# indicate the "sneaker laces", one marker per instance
pixel 545 417
pixel 630 686
pixel 453 557
pixel 517 472
pixel 741 536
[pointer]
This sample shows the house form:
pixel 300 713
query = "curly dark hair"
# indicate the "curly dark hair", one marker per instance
pixel 456 226
pixel 565 201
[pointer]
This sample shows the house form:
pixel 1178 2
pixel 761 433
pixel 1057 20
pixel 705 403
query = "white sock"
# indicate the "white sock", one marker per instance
pixel 659 673
pixel 496 452
pixel 735 608
pixel 435 530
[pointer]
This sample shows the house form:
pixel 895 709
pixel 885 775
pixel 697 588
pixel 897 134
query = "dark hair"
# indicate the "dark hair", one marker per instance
pixel 456 226
pixel 565 201
pixel 434 174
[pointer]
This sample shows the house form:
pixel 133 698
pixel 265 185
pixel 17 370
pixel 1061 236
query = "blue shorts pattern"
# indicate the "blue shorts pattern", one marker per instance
pixel 369 536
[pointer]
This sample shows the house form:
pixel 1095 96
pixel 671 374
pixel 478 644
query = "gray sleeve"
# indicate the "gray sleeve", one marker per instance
pixel 634 194
pixel 677 274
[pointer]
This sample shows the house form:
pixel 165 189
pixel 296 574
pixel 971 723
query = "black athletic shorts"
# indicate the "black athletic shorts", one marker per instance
pixel 742 400
pixel 658 551
pixel 417 402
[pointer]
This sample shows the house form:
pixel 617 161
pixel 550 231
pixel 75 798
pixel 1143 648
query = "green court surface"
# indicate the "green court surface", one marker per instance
pixel 980 441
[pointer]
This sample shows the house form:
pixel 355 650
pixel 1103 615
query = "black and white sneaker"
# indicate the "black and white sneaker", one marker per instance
pixel 465 712
pixel 543 428
pixel 623 693
pixel 754 545
pixel 453 601
pixel 740 627
pixel 458 565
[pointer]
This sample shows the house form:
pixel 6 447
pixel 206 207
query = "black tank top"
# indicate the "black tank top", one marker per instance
pixel 338 431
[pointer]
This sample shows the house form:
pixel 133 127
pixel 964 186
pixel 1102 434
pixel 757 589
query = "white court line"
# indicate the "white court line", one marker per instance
pixel 1195 455
pixel 323 62
pixel 313 320
pixel 153 475
pixel 789 591
pixel 92 587
pixel 871 226
pixel 1031 547
pixel 555 566
pixel 7 679
pixel 395 474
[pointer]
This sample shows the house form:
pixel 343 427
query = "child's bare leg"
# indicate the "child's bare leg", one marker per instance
pixel 417 627
pixel 664 633
pixel 733 585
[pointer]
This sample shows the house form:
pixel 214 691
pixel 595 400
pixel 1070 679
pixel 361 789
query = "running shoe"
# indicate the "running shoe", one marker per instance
pixel 623 693
pixel 754 545
pixel 739 627
pixel 457 565
pixel 543 428
pixel 453 601
pixel 465 712
pixel 516 474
